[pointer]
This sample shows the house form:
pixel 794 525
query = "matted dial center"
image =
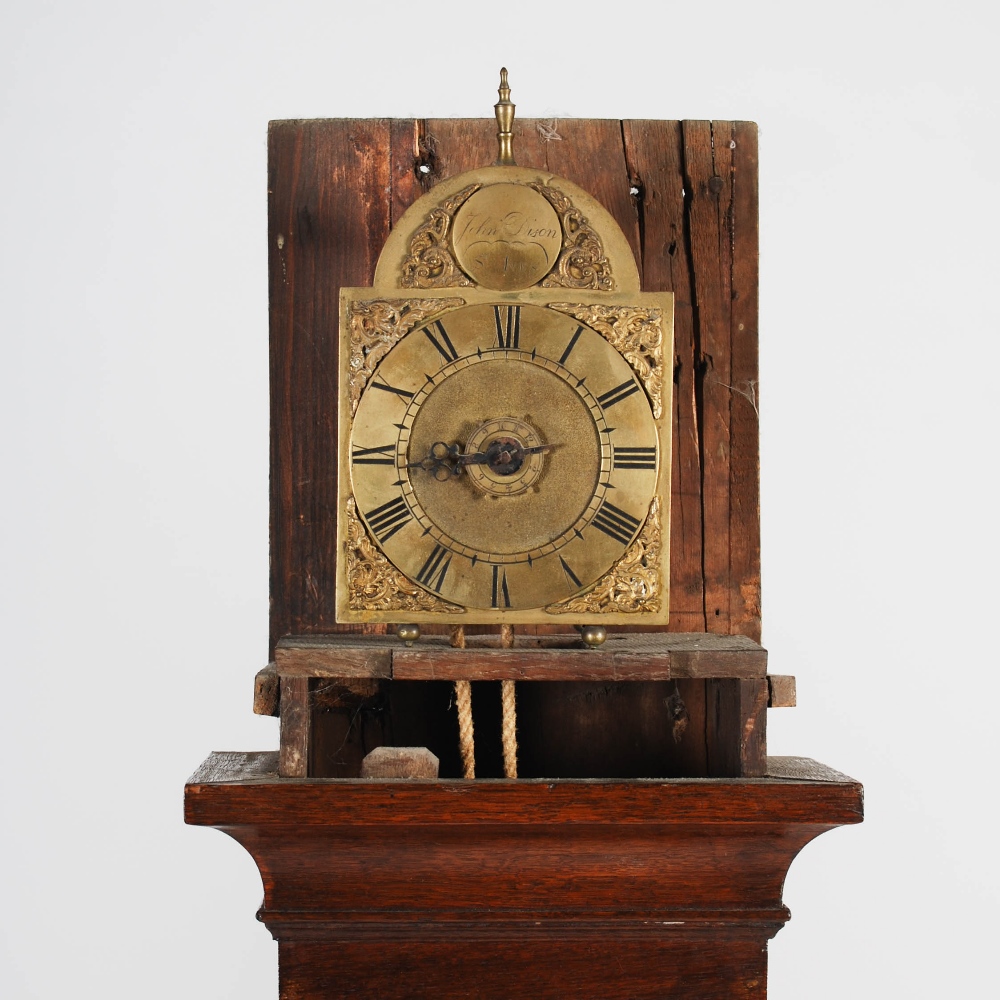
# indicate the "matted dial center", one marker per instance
pixel 483 398
pixel 511 466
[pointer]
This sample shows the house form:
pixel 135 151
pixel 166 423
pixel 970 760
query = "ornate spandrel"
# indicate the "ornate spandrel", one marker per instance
pixel 376 326
pixel 636 333
pixel 374 584
pixel 582 263
pixel 632 586
pixel 431 263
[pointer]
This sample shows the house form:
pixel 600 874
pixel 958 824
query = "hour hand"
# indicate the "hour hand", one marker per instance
pixel 503 455
pixel 443 461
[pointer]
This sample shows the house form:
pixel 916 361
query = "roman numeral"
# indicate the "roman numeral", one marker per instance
pixel 436 564
pixel 570 575
pixel 500 591
pixel 444 346
pixel 571 345
pixel 618 393
pixel 386 520
pixel 385 455
pixel 616 523
pixel 391 388
pixel 508 325
pixel 634 458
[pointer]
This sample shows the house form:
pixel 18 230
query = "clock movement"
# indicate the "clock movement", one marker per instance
pixel 505 418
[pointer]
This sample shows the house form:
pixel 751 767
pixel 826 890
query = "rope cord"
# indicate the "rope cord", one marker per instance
pixel 466 740
pixel 509 728
pixel 509 708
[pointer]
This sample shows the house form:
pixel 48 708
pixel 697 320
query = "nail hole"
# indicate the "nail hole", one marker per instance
pixel 424 169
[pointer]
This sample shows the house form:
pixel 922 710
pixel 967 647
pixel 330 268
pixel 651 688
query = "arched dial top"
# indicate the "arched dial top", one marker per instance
pixel 503 457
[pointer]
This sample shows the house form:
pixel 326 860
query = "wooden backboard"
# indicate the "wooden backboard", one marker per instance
pixel 684 194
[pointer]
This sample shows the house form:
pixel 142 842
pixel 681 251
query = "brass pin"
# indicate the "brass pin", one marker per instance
pixel 504 110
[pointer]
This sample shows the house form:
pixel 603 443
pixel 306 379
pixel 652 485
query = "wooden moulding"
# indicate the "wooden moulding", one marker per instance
pixel 500 889
pixel 624 657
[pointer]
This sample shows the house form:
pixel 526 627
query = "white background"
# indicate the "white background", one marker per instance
pixel 133 393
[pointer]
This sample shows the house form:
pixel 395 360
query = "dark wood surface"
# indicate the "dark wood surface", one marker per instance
pixel 500 889
pixel 624 657
pixel 641 705
pixel 336 187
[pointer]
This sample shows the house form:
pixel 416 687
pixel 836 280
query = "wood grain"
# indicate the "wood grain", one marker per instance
pixel 744 424
pixel 736 727
pixel 327 219
pixel 618 889
pixel 655 162
pixel 686 199
pixel 306 657
pixel 247 787
pixel 624 657
pixel 295 727
pixel 781 691
pixel 266 693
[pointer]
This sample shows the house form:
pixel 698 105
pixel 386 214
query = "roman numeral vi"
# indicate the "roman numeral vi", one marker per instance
pixel 500 592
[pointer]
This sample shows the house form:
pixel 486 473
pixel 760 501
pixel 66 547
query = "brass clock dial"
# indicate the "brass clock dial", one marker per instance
pixel 503 456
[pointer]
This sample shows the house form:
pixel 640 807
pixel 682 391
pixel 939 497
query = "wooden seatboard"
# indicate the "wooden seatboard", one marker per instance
pixel 685 196
pixel 624 657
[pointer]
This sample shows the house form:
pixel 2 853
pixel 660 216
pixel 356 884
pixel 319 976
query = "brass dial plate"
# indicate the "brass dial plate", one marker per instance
pixel 590 488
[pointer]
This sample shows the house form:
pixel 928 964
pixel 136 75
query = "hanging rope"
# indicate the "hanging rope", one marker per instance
pixel 466 741
pixel 509 729
pixel 508 706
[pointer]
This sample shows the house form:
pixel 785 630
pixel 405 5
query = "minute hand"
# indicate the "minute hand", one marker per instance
pixel 483 458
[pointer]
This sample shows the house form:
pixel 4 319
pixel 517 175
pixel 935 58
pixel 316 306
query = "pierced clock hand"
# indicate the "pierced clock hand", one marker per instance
pixel 503 456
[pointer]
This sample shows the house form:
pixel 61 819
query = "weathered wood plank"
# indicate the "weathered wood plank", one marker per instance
pixel 569 665
pixel 624 657
pixel 655 162
pixel 736 727
pixel 781 691
pixel 692 225
pixel 399 762
pixel 591 154
pixel 296 727
pixel 328 216
pixel 708 190
pixel 301 659
pixel 406 158
pixel 744 429
pixel 266 693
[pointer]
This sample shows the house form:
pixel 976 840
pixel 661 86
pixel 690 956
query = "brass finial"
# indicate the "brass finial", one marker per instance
pixel 505 121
